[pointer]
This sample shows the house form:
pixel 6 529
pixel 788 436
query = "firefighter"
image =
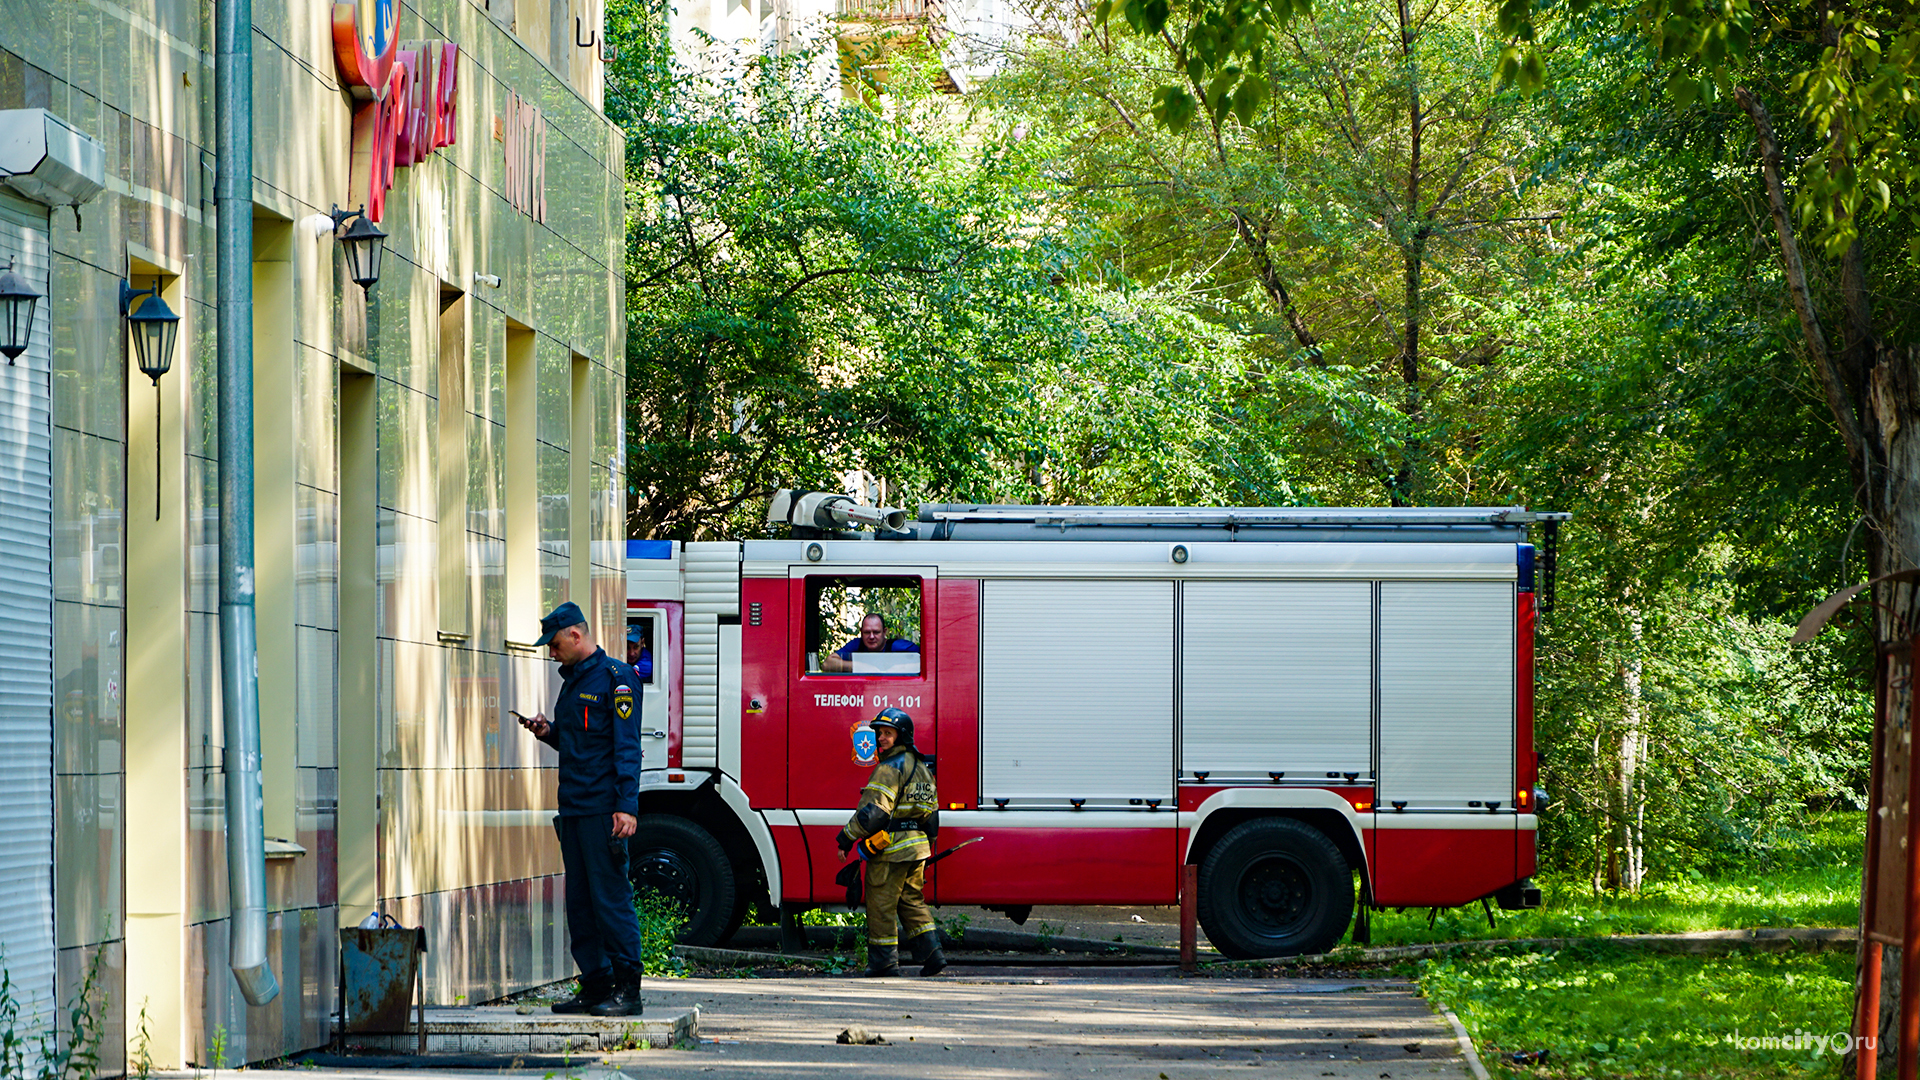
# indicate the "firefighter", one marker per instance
pixel 890 829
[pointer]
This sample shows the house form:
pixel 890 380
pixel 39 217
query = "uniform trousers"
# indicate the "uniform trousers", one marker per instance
pixel 895 902
pixel 601 926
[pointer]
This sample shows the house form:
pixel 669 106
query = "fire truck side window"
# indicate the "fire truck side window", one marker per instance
pixel 863 626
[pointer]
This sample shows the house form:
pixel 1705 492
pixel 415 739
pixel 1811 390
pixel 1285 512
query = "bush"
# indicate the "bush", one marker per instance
pixel 661 921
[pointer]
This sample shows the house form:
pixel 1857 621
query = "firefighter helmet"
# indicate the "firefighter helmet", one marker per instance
pixel 899 721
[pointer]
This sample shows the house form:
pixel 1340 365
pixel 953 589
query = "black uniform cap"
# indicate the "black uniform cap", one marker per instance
pixel 567 614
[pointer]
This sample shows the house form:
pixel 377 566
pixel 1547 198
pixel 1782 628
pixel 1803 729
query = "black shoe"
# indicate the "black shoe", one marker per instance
pixel 624 1001
pixel 883 961
pixel 925 948
pixel 590 992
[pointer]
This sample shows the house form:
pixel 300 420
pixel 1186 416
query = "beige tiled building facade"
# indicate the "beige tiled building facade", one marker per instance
pixel 437 462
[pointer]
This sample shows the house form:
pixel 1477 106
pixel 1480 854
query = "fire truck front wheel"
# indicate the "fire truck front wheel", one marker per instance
pixel 681 861
pixel 1274 887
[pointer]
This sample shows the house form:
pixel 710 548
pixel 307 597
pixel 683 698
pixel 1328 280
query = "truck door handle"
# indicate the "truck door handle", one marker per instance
pixel 656 734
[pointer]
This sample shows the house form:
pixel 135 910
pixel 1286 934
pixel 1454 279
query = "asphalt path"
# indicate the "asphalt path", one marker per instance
pixel 984 1024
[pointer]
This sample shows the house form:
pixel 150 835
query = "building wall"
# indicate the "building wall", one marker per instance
pixel 384 513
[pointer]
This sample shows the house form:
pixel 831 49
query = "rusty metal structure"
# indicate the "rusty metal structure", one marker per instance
pixel 1890 885
pixel 382 980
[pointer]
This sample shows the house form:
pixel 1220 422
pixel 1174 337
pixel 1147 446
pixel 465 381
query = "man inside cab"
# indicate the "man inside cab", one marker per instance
pixel 639 655
pixel 873 638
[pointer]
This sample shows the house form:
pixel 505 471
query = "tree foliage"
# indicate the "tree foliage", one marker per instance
pixel 816 285
pixel 1387 280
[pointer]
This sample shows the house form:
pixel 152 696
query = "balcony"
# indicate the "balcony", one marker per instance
pixel 891 12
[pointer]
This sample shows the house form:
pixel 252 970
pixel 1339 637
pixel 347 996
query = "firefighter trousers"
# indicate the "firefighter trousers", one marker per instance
pixel 894 902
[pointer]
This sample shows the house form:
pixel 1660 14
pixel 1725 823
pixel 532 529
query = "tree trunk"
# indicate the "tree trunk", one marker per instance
pixel 1414 256
pixel 1871 389
pixel 1625 865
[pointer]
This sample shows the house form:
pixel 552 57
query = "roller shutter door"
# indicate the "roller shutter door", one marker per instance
pixel 1446 693
pixel 1276 676
pixel 1076 691
pixel 713 593
pixel 26 619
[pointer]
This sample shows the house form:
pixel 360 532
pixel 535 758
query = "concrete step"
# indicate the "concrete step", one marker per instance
pixel 503 1029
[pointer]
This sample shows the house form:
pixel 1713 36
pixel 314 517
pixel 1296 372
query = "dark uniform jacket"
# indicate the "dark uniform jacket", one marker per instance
pixel 596 728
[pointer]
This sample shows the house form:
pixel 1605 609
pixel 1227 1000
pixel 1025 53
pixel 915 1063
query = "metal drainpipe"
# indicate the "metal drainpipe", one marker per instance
pixel 239 663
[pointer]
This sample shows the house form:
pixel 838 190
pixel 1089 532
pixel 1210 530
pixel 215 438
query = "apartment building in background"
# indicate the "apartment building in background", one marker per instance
pixel 966 36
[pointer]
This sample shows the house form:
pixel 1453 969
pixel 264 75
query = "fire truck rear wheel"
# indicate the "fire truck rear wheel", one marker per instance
pixel 1274 887
pixel 684 863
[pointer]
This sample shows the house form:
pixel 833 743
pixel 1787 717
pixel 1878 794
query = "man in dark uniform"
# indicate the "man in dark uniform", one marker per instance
pixel 596 729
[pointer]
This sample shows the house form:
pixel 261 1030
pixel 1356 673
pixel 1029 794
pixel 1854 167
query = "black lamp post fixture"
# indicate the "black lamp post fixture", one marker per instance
pixel 364 243
pixel 16 313
pixel 154 327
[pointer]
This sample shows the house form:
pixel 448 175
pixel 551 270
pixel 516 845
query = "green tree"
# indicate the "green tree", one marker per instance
pixel 1350 225
pixel 818 285
pixel 813 287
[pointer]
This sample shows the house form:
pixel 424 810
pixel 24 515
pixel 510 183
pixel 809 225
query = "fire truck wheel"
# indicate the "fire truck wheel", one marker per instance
pixel 1274 887
pixel 684 863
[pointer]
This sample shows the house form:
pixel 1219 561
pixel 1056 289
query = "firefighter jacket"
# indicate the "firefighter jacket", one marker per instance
pixel 900 791
pixel 596 728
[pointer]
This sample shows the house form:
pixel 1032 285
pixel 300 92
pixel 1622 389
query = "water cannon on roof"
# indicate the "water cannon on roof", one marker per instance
pixel 813 512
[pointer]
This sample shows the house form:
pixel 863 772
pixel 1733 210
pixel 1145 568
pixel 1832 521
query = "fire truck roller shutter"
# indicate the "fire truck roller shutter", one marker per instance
pixel 1076 691
pixel 1276 676
pixel 1446 693
pixel 713 593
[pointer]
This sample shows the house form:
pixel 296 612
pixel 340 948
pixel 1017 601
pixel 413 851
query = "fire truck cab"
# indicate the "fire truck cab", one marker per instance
pixel 1313 706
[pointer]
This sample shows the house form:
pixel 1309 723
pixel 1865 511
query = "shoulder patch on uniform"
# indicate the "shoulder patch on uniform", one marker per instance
pixel 623 702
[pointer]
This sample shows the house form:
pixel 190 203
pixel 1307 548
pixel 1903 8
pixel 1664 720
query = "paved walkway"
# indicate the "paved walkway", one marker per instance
pixel 1013 1026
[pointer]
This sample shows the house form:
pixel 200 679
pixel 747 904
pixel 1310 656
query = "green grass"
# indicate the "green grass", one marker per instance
pixel 1815 884
pixel 1604 1011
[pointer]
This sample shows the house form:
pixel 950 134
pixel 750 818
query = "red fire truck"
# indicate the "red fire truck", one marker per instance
pixel 1305 703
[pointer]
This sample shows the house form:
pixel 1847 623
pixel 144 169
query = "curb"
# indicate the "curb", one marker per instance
pixel 1466 1045
pixel 980 937
pixel 1700 942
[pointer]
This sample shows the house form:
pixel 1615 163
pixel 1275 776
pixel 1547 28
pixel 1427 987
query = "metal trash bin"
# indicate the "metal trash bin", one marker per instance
pixel 380 977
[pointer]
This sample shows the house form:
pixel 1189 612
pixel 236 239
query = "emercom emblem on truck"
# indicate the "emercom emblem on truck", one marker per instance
pixel 866 747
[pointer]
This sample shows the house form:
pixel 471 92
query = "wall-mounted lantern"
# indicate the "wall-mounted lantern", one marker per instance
pixel 153 326
pixel 17 299
pixel 364 244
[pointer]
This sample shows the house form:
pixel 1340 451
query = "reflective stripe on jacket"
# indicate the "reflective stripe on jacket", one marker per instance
pixel 902 788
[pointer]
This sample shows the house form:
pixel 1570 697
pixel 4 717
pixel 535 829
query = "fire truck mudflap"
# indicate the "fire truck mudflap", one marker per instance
pixel 1316 707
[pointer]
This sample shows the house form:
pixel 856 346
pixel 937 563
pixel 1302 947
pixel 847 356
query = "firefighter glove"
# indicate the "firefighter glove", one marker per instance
pixel 875 844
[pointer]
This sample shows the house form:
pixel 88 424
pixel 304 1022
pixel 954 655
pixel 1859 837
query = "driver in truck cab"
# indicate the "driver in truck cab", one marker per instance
pixel 873 638
pixel 892 829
